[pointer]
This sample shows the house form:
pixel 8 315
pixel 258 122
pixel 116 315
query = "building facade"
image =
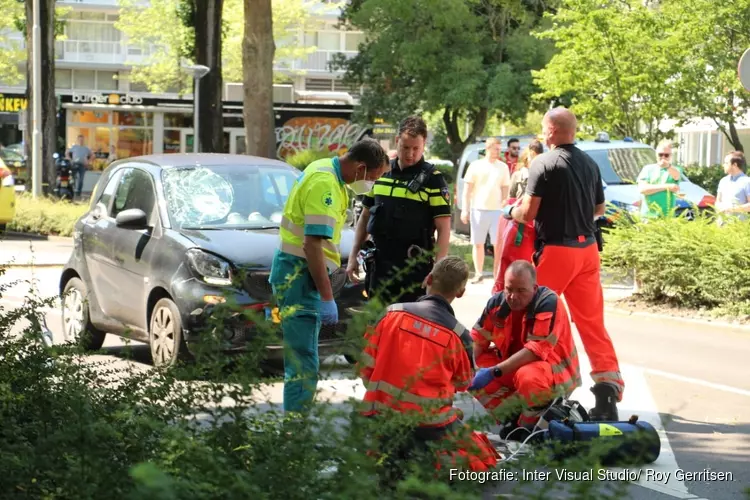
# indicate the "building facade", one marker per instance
pixel 120 118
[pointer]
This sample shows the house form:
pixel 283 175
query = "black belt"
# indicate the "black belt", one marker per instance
pixel 580 242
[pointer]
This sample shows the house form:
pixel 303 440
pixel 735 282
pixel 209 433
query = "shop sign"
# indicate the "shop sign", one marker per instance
pixel 12 104
pixel 107 99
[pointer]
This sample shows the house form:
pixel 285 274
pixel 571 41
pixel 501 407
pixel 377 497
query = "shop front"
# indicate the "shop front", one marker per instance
pixel 118 126
pixel 12 106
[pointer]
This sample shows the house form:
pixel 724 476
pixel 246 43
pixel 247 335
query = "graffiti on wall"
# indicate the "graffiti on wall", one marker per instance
pixel 316 132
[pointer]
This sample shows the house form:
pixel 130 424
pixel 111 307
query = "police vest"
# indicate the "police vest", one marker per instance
pixel 316 206
pixel 416 359
pixel 401 216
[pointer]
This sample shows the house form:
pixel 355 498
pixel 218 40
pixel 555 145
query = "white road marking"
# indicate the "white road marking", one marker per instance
pixel 696 381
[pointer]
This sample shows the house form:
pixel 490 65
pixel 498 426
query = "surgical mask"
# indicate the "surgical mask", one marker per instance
pixel 362 187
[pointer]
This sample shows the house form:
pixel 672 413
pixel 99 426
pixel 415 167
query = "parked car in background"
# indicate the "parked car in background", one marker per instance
pixel 620 162
pixel 7 196
pixel 167 237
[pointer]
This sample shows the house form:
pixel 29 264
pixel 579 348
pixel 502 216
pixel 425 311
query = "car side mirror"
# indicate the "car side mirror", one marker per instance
pixel 133 218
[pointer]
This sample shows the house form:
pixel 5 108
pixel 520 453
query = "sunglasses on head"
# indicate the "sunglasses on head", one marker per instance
pixel 664 155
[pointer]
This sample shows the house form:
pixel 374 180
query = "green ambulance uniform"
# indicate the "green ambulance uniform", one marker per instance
pixel 316 206
pixel 662 203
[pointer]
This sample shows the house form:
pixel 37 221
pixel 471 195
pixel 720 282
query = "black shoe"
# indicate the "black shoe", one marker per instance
pixel 606 404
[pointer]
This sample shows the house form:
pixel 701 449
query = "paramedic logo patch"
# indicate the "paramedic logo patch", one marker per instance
pixel 328 199
pixel 446 194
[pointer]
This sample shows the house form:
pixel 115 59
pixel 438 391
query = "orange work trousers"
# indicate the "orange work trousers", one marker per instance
pixel 532 383
pixel 518 244
pixel 573 272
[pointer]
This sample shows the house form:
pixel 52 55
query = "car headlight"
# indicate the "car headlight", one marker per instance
pixel 213 269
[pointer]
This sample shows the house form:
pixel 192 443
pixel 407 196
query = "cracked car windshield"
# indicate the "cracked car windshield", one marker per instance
pixel 226 196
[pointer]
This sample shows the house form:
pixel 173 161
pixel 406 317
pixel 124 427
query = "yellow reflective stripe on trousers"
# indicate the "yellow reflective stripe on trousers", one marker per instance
pixel 367 360
pixel 298 252
pixel 563 364
pixel 405 396
pixel 552 339
pixel 432 419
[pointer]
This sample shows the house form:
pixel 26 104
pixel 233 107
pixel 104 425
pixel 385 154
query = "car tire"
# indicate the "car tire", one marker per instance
pixel 76 320
pixel 350 359
pixel 165 334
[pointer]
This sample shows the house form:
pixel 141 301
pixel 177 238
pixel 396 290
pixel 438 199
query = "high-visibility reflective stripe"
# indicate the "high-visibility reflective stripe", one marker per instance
pixel 395 307
pixel 400 192
pixel 321 219
pixel 459 329
pixel 612 377
pixel 367 360
pixel 298 252
pixel 563 365
pixel 437 201
pixel 404 395
pixel 292 227
pixel 432 419
pixel 484 333
pixel 552 339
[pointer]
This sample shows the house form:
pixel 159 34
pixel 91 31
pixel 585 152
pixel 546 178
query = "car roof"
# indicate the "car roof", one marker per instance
pixel 594 145
pixel 166 161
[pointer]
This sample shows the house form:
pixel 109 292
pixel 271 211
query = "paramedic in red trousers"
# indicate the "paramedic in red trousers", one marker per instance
pixel 533 358
pixel 417 358
pixel 563 197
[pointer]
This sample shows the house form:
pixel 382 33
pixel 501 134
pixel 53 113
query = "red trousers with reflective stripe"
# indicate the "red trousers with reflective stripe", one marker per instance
pixel 574 273
pixel 514 250
pixel 532 382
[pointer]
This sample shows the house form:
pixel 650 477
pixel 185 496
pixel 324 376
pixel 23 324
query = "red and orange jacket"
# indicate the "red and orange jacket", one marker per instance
pixel 417 357
pixel 544 329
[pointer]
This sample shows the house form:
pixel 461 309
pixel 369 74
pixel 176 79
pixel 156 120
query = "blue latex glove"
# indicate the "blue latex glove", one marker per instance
pixel 329 312
pixel 506 211
pixel 483 377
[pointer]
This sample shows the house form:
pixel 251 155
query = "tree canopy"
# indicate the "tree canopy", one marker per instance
pixel 470 59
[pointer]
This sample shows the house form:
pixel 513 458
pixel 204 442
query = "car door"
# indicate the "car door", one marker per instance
pixel 133 249
pixel 97 234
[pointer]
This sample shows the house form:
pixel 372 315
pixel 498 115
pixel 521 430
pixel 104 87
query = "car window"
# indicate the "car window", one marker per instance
pixel 622 165
pixel 109 190
pixel 135 190
pixel 276 188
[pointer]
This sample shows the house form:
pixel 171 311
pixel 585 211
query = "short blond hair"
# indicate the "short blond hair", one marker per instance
pixel 450 274
pixel 490 141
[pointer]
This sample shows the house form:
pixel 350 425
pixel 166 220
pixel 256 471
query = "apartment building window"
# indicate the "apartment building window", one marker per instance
pixel 352 41
pixel 80 79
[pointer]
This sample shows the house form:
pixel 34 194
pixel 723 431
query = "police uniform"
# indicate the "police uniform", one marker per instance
pixel 403 205
pixel 316 207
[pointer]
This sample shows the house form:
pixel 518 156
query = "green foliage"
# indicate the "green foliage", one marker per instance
pixel 612 61
pixel 45 215
pixel 302 159
pixel 694 264
pixel 469 59
pixel 13 52
pixel 706 177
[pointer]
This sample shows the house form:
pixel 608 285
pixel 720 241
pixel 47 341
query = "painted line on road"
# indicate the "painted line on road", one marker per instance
pixel 697 321
pixel 697 381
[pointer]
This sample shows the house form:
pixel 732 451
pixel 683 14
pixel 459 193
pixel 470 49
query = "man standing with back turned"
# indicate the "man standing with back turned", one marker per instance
pixel 564 195
pixel 310 231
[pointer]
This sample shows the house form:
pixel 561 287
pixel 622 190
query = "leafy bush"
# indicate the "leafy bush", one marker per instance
pixel 706 177
pixel 47 216
pixel 302 159
pixel 696 264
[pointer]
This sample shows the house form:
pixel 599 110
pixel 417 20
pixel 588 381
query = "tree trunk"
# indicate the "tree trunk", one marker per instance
pixel 734 138
pixel 258 51
pixel 450 119
pixel 49 102
pixel 208 15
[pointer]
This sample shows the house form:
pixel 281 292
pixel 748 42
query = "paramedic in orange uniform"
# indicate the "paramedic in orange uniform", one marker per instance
pixel 563 197
pixel 418 356
pixel 533 357
pixel 516 240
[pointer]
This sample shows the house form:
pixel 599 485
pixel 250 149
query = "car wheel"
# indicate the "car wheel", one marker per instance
pixel 350 359
pixel 165 334
pixel 76 321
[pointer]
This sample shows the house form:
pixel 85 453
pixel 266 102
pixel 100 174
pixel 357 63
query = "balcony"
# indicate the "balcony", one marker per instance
pixel 89 51
pixel 317 61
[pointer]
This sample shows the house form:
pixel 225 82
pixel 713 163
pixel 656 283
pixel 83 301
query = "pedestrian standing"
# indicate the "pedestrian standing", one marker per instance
pixel 658 184
pixel 733 193
pixel 81 157
pixel 314 215
pixel 486 186
pixel 402 213
pixel 563 197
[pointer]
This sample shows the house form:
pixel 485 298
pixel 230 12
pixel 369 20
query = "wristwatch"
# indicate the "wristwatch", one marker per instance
pixel 497 372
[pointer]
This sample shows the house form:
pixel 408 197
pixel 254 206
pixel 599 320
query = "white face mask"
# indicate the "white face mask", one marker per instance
pixel 362 187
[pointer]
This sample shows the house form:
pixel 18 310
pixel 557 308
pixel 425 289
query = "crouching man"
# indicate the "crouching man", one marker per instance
pixel 534 358
pixel 417 357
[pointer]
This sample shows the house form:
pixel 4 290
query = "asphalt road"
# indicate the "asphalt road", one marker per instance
pixel 689 379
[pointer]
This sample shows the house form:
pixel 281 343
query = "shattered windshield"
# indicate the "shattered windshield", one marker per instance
pixel 227 196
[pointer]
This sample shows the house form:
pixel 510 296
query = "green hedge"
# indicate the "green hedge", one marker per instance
pixel 305 157
pixel 694 264
pixel 45 215
pixel 706 177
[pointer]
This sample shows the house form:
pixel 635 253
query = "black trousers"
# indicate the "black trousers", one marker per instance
pixel 396 278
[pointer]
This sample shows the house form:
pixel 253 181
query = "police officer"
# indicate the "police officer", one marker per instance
pixel 401 215
pixel 564 196
pixel 314 215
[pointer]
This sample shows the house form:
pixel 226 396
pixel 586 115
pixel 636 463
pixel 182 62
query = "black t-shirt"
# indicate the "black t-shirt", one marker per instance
pixel 570 185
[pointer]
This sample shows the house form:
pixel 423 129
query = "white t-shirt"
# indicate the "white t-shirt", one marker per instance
pixel 487 179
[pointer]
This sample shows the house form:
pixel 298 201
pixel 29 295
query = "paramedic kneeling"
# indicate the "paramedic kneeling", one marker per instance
pixel 534 358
